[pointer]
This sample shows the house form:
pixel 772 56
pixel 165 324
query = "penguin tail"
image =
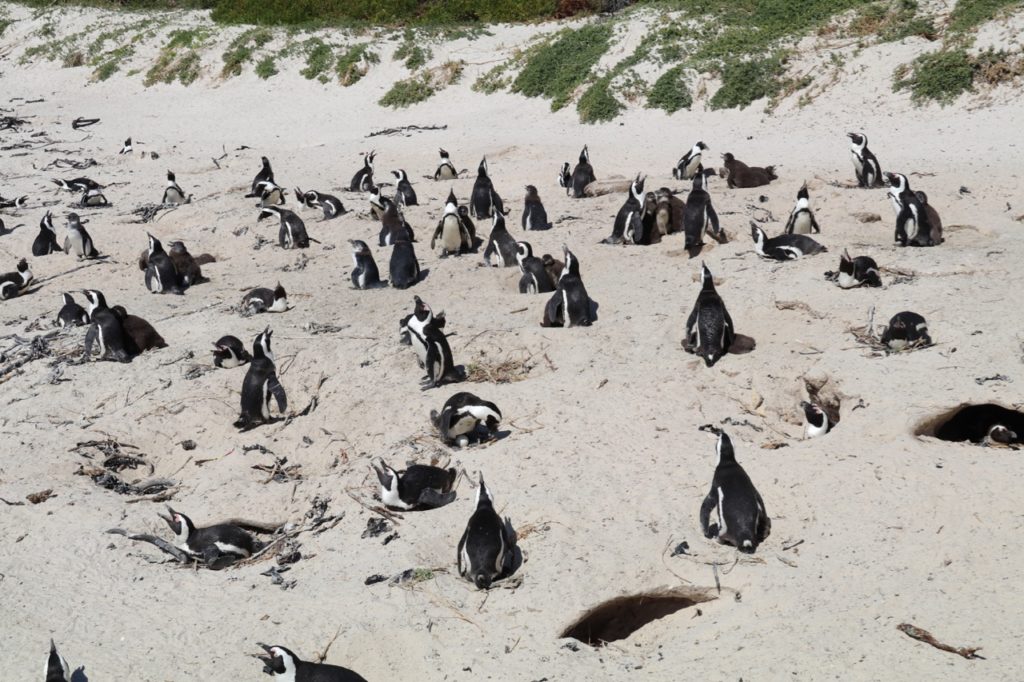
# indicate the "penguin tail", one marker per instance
pixel 435 417
pixel 771 172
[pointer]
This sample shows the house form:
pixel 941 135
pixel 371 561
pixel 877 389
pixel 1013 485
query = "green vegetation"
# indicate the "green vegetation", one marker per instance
pixel 319 60
pixel 242 49
pixel 4 23
pixel 179 58
pixel 670 92
pixel 745 82
pixel 414 54
pixel 940 76
pixel 421 86
pixel 266 67
pixel 111 62
pixel 560 66
pixel 892 21
pixel 354 63
pixel 970 13
pixel 598 104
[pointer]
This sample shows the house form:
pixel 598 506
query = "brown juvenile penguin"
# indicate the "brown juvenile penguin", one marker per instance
pixel 933 218
pixel 140 335
pixel 739 174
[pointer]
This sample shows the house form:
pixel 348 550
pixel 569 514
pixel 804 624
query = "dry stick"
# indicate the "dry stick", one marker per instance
pixel 376 510
pixel 970 653
pixel 68 272
pixel 321 657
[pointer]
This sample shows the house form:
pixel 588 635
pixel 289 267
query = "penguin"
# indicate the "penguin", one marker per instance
pixel 362 181
pixel 565 178
pixel 534 215
pixel 393 226
pixel 18 202
pixel 78 184
pixel 906 330
pixel 57 669
pixel 570 305
pixel 139 335
pixel 282 664
pixel 785 246
pixel 699 216
pixel 818 422
pixel 859 271
pixel 45 242
pixel 468 222
pixel 229 352
pixel 404 268
pixel 582 174
pixel 93 198
pixel 418 487
pixel 462 415
pixel 214 544
pixel 480 203
pixel 161 276
pixel 801 218
pixel 485 546
pixel 105 329
pixel 649 232
pixel 1000 435
pixel 376 203
pixel 13 283
pixel 865 165
pixel 365 275
pixel 431 345
pixel 670 211
pixel 709 329
pixel 173 194
pixel 452 231
pixel 271 195
pixel 536 279
pixel 330 205
pixel 263 300
pixel 187 265
pixel 262 180
pixel 404 188
pixel 501 247
pixel 739 174
pixel 742 519
pixel 553 266
pixel 260 385
pixel 688 166
pixel 292 233
pixel 445 169
pixel 71 314
pixel 628 220
pixel 126 148
pixel 934 221
pixel 78 239
pixel 913 219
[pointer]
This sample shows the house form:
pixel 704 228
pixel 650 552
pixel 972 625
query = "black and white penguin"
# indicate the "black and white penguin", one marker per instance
pixel 187 265
pixel 404 188
pixel 801 218
pixel 462 415
pixel 161 275
pixel 742 519
pixel 292 232
pixel 260 385
pixel 859 271
pixel 914 220
pixel 688 166
pixel 485 546
pixel 445 169
pixel 362 181
pixel 271 195
pixel 173 194
pixel 215 544
pixel 432 349
pixel 57 669
pixel 582 174
pixel 106 329
pixel 19 202
pixel 865 165
pixel 709 329
pixel 481 201
pixel 264 300
pixel 263 179
pixel 906 330
pixel 45 242
pixel 284 665
pixel 536 279
pixel 139 335
pixel 699 216
pixel 565 178
pixel 534 215
pixel 71 314
pixel 330 205
pixel 404 268
pixel 393 226
pixel 818 422
pixel 78 240
pixel 739 174
pixel 77 184
pixel 229 352
pixel 126 148
pixel 452 231
pixel 570 305
pixel 628 221
pixel 365 275
pixel 420 486
pixel 501 246
pixel 93 198
pixel 13 283
pixel 784 246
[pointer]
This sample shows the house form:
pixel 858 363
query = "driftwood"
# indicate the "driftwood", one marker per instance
pixel 970 653
pixel 609 186
pixel 405 129
pixel 83 122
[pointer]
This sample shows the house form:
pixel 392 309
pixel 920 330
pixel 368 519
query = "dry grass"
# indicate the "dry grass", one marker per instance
pixel 514 366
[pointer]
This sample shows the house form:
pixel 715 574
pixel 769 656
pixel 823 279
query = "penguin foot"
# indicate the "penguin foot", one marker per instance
pixel 712 531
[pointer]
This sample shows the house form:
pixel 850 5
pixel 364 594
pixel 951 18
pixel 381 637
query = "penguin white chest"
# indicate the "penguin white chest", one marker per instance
pixel 451 235
pixel 847 281
pixel 278 306
pixel 802 223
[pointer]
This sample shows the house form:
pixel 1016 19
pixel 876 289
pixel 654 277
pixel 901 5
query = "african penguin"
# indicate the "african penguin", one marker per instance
pixel 282 664
pixel 229 352
pixel 628 220
pixel 431 345
pixel 71 314
pixel 105 329
pixel 534 215
pixel 93 198
pixel 570 305
pixel 215 544
pixel 865 165
pixel 582 174
pixel 403 267
pixel 330 205
pixel 404 188
pixel 914 225
pixel 13 283
pixel 462 415
pixel 784 246
pixel 452 231
pixel 271 195
pixel 553 266
pixel 77 184
pixel 480 203
pixel 362 181
pixel 292 232
pixel 161 275
pixel 859 271
pixel 78 240
pixel 699 216
pixel 906 330
pixel 19 202
pixel 818 422
pixel 445 169
pixel 536 279
pixel 739 174
pixel 501 246
pixel 420 486
pixel 565 178
pixel 688 166
pixel 485 546
pixel 173 194
pixel 57 669
pixel 263 179
pixel 126 148
pixel 934 221
pixel 139 335
pixel 365 275
pixel 45 242
pixel 263 300
pixel 393 226
pixel 742 519
pixel 260 385
pixel 187 265
pixel 801 218
pixel 709 329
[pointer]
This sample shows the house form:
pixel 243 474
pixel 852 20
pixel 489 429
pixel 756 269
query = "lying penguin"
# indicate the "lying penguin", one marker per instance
pixel 739 174
pixel 856 272
pixel 280 663
pixel 13 283
pixel 818 421
pixel 784 246
pixel 229 352
pixel 420 486
pixel 742 519
pixel 906 330
pixel 330 205
pixel 217 545
pixel 459 420
pixel 263 300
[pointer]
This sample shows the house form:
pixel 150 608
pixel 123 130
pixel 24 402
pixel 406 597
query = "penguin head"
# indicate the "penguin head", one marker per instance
pixel 497 219
pixel 922 197
pixel 482 168
pixel 267 212
pixel 728 157
pixel 758 235
pixel 572 264
pixel 279 292
pixel 482 580
pixel 699 147
pixel 707 280
pixel 897 181
pixel 421 311
pixel 585 155
pixel 261 345
pixel 726 455
pixel 23 269
pixel 451 204
pixel 178 247
pixel 170 177
pixel 565 177
pixel 483 495
pixel 523 251
pixel 399 174
pixel 814 414
pixel 154 245
pixel 279 661
pixel 444 154
pixel 859 139
pixel 180 524
pixel 368 160
pixel 845 262
pixel 47 222
pixel 68 299
pixel 802 193
pixel 359 247
pixel 95 298
pixel 266 163
pixel 637 188
pixel 1001 434
pixel 388 478
pixel 531 192
pixel 74 222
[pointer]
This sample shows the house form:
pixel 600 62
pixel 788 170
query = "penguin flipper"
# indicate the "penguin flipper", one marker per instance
pixel 710 502
pixel 689 344
pixel 432 499
pixel 764 522
pixel 275 389
pixel 790 224
pixel 716 229
pixel 91 335
pixel 814 225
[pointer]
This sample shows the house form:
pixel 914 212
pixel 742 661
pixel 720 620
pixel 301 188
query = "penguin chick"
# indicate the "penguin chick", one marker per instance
pixel 280 663
pixel 461 417
pixel 217 545
pixel 418 487
pixel 139 335
pixel 188 266
pixel 739 174
pixel 534 215
pixel 742 519
pixel 485 546
pixel 818 422
pixel 229 352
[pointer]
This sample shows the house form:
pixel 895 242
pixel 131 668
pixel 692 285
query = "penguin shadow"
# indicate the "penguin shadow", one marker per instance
pixel 79 675
pixel 742 344
pixel 424 273
pixel 594 305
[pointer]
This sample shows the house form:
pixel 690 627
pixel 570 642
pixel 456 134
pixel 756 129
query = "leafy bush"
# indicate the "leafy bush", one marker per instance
pixel 408 92
pixel 746 82
pixel 598 104
pixel 939 76
pixel 970 13
pixel 556 69
pixel 670 92
pixel 266 67
pixel 354 63
pixel 241 50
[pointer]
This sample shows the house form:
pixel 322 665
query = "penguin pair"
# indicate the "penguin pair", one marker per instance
pixel 264 300
pixel 218 545
pixel 403 267
pixel 71 314
pixel 689 166
pixel 534 215
pixel 78 239
pixel 739 174
pixel 120 336
pixel 785 246
pixel 484 201
pixel 365 274
pixel 393 226
pixel 709 328
pixel 330 205
pixel 628 226
pixel 456 234
pixel 292 232
pixel 420 486
pixel 404 188
pixel 485 551
pixel 460 419
pixel 173 194
pixel 801 218
pixel 856 272
pixel 575 183
pixel 432 349
pixel 906 330
pixel 445 168
pixel 743 521
pixel 917 222
pixel 161 275
pixel 501 246
pixel 865 165
pixel 281 663
pixel 536 279
pixel 45 242
pixel 187 266
pixel 570 305
pixel 669 212
pixel 260 385
pixel 229 352
pixel 699 216
pixel 14 283
pixel 362 181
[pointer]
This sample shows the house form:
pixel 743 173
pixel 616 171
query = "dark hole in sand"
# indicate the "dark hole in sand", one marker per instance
pixel 974 423
pixel 620 617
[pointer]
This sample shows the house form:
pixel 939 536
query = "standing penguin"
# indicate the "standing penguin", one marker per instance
pixel 161 275
pixel 292 233
pixel 582 174
pixel 565 178
pixel 709 329
pixel 452 231
pixel 229 352
pixel 105 329
pixel 818 422
pixel 13 283
pixel 688 166
pixel 173 194
pixel 570 305
pixel 71 314
pixel 445 169
pixel 906 330
pixel 501 246
pixel 264 300
pixel 865 165
pixel 914 226
pixel 421 486
pixel 534 215
pixel 462 415
pixel 859 271
pixel 485 546
pixel 365 275
pixel 57 669
pixel 262 180
pixel 536 279
pixel 362 181
pixel 45 242
pixel 628 221
pixel 480 203
pixel 280 663
pixel 801 218
pixel 78 240
pixel 330 205
pixel 393 226
pixel 218 545
pixel 432 347
pixel 404 268
pixel 404 188
pixel 260 385
pixel 742 519
pixel 699 215
pixel 784 246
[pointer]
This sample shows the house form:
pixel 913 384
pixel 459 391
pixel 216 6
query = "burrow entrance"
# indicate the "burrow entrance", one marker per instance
pixel 822 392
pixel 974 423
pixel 620 617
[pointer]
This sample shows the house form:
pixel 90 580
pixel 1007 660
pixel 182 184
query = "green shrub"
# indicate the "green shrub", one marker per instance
pixel 598 104
pixel 971 13
pixel 670 92
pixel 354 62
pixel 746 82
pixel 266 68
pixel 408 92
pixel 319 60
pixel 556 69
pixel 242 48
pixel 939 76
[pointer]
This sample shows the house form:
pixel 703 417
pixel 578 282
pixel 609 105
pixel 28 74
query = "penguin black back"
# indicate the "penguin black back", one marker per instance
pixel 365 274
pixel 480 201
pixel 501 246
pixel 709 329
pixel 281 663
pixel 742 519
pixel 404 268
pixel 628 223
pixel 570 305
pixel 582 174
pixel 362 181
pixel 45 242
pixel 699 215
pixel 260 385
pixel 57 669
pixel 535 217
